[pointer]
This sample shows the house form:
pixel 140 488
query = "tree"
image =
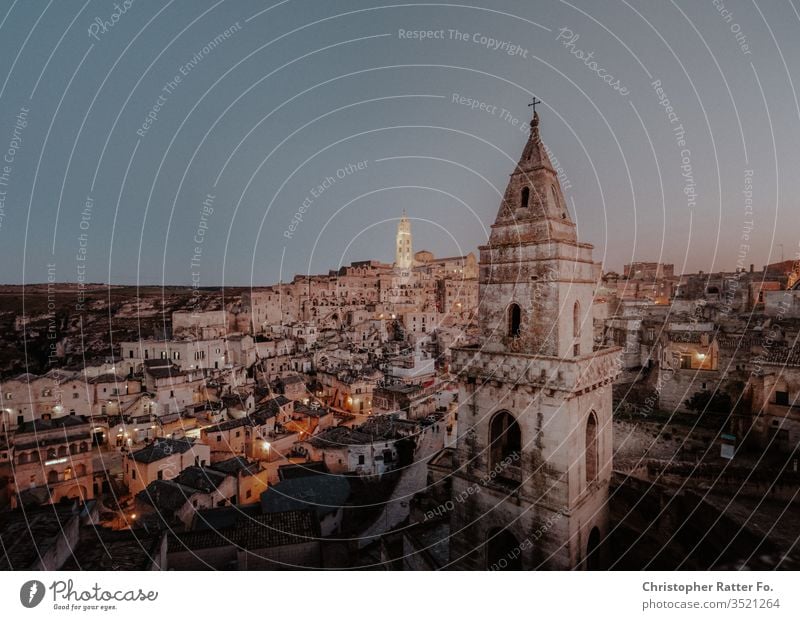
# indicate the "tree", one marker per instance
pixel 708 401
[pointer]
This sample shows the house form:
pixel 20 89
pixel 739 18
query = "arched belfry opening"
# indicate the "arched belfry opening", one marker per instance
pixel 514 321
pixel 576 329
pixel 524 197
pixel 591 449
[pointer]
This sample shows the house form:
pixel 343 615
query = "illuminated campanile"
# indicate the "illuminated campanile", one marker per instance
pixel 534 425
pixel 404 253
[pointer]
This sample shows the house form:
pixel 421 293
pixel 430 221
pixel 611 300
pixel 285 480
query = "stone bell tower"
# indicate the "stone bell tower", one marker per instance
pixel 404 252
pixel 533 456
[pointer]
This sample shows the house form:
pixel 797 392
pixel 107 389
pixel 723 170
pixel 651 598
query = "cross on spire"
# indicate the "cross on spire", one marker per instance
pixel 534 102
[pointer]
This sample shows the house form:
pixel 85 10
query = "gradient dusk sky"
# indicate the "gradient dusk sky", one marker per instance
pixel 276 115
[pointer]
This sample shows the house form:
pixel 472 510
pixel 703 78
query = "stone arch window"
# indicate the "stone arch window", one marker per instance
pixel 505 441
pixel 62 451
pixel 51 453
pixel 576 329
pixel 84 446
pixel 22 458
pixel 514 320
pixel 68 473
pixel 502 551
pixel 52 476
pixel 591 451
pixel 80 470
pixel 525 197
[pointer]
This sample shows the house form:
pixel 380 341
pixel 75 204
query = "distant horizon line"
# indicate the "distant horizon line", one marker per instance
pixel 252 285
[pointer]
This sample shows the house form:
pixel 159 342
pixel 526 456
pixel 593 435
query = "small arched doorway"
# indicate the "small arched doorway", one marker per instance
pixel 593 550
pixel 502 551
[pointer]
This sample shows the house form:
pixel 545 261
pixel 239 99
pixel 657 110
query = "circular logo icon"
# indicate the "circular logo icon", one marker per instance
pixel 31 593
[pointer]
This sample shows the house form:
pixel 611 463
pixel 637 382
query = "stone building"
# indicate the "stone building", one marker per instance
pixel 53 460
pixel 535 430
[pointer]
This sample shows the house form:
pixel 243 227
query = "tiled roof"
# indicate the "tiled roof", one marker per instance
pixel 253 532
pixel 101 549
pixel 28 534
pixel 203 478
pixel 161 448
pixel 237 465
pixel 167 496
pixel 323 494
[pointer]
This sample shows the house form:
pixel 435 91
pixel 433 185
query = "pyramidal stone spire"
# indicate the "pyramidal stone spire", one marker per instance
pixel 535 154
pixel 533 207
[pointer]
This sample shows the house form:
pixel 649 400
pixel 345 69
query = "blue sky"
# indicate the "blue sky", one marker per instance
pixel 293 93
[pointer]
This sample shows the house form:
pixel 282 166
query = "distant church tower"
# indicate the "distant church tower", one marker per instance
pixel 404 253
pixel 533 456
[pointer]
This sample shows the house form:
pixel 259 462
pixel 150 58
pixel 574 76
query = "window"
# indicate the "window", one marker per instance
pixel 525 197
pixel 514 320
pixel 133 475
pixel 160 474
pixel 75 395
pixel 686 360
pixel 782 398
pixel 591 451
pixel 576 329
pixel 360 459
pixel 505 440
pixel 249 494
